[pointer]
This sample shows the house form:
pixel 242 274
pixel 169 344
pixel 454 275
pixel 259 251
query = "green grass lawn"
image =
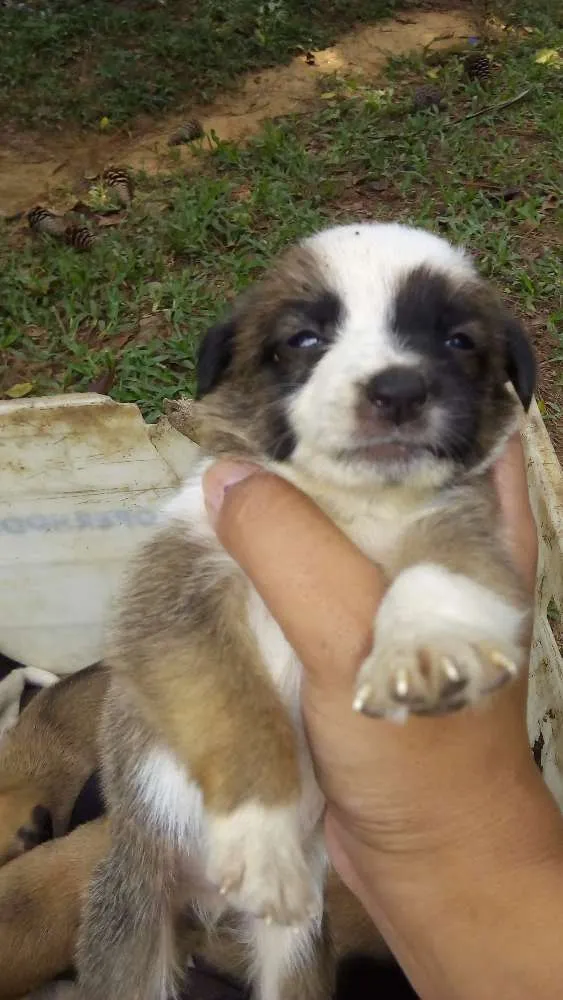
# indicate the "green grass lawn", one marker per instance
pixel 64 60
pixel 138 303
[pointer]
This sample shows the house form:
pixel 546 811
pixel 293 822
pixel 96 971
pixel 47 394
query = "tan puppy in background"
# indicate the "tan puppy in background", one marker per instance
pixel 44 762
pixel 46 758
pixel 368 368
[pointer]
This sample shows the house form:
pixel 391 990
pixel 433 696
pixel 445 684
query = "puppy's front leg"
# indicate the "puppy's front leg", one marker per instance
pixel 452 625
pixel 232 746
pixel 225 745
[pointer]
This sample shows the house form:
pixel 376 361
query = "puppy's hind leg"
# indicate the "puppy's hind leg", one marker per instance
pixel 293 963
pixel 126 945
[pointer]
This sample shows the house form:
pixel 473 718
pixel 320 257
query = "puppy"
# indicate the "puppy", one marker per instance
pixel 44 761
pixel 368 367
pixel 46 758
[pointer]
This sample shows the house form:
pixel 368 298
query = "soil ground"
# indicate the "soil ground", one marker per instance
pixel 331 135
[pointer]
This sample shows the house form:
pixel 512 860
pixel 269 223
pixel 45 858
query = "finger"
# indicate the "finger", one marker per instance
pixel 511 484
pixel 322 591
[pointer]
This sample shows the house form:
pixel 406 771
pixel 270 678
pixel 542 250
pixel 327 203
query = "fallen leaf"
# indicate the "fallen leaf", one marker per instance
pixel 104 123
pixel 433 73
pixel 110 220
pixel 329 95
pixel 103 383
pixel 151 326
pixel 548 57
pixel 19 390
pixel 121 340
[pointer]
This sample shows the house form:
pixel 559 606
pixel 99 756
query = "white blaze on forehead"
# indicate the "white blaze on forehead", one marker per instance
pixel 383 251
pixel 364 265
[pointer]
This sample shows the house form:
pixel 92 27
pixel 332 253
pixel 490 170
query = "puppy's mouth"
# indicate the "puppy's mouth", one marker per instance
pixel 387 451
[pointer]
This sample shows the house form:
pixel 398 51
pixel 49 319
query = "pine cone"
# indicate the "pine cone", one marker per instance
pixel 79 237
pixel 477 66
pixel 188 132
pixel 41 220
pixel 427 96
pixel 120 182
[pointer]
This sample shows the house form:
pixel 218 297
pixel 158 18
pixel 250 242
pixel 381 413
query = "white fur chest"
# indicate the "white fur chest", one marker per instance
pixel 374 520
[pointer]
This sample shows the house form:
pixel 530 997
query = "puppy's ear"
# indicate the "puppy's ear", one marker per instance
pixel 215 354
pixel 520 360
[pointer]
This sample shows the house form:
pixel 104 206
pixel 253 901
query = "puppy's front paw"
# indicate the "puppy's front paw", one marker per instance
pixel 256 860
pixel 441 642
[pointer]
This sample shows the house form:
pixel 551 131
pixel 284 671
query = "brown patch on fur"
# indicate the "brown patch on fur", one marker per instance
pixel 498 407
pixel 183 642
pixel 243 414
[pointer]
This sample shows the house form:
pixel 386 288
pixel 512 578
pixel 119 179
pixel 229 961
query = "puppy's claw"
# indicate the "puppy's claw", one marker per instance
pixel 361 698
pixel 451 670
pixel 501 661
pixel 456 681
pixel 226 886
pixel 401 686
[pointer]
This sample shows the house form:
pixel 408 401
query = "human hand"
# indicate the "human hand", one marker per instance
pixel 383 783
pixel 447 793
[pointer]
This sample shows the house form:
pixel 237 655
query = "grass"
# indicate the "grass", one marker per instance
pixel 62 60
pixel 137 305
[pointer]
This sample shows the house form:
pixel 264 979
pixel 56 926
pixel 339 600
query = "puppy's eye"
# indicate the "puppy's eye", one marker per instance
pixel 305 339
pixel 460 342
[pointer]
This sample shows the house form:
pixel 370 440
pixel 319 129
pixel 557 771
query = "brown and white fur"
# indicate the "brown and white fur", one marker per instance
pixel 368 368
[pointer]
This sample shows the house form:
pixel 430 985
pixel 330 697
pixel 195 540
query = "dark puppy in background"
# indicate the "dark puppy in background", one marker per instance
pixel 368 368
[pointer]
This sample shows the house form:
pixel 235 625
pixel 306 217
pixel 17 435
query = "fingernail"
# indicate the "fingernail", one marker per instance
pixel 219 479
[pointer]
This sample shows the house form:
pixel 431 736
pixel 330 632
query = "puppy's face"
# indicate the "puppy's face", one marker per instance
pixel 370 353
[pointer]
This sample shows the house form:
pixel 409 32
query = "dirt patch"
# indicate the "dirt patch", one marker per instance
pixel 33 167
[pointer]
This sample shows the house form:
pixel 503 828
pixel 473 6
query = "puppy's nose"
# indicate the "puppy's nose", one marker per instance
pixel 398 393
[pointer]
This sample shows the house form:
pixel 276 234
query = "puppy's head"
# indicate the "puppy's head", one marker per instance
pixel 369 353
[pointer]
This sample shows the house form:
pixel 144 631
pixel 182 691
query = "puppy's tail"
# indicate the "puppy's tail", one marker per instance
pixel 126 948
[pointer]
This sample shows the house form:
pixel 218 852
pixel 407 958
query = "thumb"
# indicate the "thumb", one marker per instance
pixel 509 474
pixel 318 586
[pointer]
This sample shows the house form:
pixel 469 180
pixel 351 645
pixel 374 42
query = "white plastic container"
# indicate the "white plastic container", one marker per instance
pixel 81 482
